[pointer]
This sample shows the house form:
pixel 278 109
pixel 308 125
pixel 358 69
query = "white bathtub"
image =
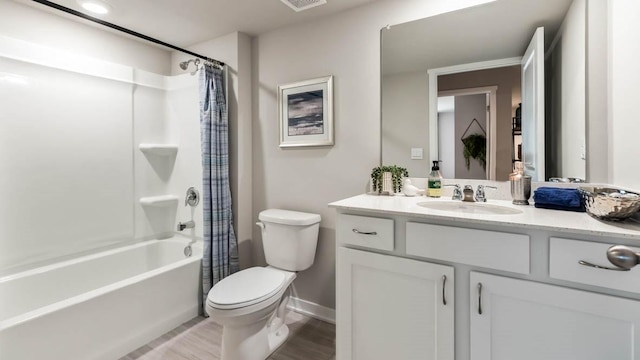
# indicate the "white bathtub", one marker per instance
pixel 100 306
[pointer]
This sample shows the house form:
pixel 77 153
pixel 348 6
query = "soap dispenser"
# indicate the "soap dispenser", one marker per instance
pixel 434 183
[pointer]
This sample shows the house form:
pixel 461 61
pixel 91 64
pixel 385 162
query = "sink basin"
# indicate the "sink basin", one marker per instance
pixel 469 207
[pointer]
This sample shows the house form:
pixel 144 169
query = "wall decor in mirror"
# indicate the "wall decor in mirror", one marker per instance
pixel 517 67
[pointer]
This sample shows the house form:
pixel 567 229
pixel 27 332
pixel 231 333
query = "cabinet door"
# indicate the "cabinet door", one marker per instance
pixel 392 308
pixel 517 319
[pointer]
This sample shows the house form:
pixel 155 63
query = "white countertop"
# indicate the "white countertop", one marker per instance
pixel 531 217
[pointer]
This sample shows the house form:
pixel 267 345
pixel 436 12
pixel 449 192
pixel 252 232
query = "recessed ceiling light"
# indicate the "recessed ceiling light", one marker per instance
pixel 95 6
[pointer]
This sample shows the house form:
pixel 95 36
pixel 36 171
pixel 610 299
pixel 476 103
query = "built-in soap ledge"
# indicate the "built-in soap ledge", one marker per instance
pixel 159 201
pixel 159 149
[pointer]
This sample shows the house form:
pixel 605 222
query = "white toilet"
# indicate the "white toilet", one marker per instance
pixel 250 304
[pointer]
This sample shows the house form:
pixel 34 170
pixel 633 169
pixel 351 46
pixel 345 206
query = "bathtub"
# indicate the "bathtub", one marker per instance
pixel 100 306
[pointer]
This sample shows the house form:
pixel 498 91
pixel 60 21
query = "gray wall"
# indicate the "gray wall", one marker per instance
pixel 467 108
pixel 405 105
pixel 347 46
pixel 508 96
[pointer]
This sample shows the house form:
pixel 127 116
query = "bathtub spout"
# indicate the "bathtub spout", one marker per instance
pixel 186 225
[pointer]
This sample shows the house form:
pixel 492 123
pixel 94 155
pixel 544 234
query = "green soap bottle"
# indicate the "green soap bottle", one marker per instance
pixel 434 184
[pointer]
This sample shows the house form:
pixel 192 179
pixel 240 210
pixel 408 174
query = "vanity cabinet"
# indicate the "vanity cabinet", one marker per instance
pixel 393 308
pixel 521 290
pixel 525 320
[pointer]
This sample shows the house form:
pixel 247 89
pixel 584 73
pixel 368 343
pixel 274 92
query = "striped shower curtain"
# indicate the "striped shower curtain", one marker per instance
pixel 220 257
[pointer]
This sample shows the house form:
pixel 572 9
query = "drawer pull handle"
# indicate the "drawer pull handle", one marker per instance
pixel 480 298
pixel 444 284
pixel 623 257
pixel 364 232
pixel 586 263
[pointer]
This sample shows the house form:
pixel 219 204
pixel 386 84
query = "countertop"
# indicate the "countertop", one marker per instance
pixel 530 217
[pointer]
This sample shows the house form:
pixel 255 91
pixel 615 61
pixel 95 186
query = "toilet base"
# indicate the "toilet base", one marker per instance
pixel 278 337
pixel 254 342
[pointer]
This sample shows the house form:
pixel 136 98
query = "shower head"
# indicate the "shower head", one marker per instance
pixel 185 64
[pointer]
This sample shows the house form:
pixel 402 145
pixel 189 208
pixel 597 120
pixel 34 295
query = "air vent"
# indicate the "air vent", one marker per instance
pixel 299 5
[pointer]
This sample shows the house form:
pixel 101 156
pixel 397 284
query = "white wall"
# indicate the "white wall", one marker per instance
pixel 405 104
pixel 158 110
pixel 77 102
pixel 467 108
pixel 447 144
pixel 624 94
pixel 597 88
pixel 65 157
pixel 347 46
pixel 569 84
pixel 56 31
pixel 153 173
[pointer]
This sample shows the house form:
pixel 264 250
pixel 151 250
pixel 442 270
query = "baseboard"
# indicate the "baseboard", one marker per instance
pixel 312 310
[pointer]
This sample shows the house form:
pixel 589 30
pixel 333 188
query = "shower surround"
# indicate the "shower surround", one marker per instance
pixel 86 270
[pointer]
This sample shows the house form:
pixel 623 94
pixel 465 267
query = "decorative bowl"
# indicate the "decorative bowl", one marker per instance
pixel 609 203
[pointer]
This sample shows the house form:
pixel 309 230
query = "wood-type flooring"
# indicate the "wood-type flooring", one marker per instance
pixel 199 339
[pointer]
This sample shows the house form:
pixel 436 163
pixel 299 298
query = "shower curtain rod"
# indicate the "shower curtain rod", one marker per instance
pixel 125 30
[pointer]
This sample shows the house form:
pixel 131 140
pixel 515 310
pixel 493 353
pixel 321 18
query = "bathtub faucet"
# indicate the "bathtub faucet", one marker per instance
pixel 186 225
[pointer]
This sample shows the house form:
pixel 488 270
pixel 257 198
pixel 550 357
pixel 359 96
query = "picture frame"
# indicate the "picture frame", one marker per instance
pixel 305 113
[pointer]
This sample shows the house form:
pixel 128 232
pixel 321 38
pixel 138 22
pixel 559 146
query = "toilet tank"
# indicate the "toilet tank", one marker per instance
pixel 289 238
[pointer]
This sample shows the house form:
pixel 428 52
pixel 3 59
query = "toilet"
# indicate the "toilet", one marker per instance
pixel 250 304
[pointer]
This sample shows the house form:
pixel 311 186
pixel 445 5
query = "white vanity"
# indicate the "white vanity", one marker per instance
pixel 421 283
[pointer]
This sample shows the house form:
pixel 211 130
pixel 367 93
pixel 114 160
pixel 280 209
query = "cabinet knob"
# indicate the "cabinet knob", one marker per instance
pixel 623 257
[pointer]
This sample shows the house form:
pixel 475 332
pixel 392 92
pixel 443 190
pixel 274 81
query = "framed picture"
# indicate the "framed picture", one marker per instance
pixel 306 113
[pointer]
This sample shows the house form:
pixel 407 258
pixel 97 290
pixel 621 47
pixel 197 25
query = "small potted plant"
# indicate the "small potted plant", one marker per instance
pixel 397 173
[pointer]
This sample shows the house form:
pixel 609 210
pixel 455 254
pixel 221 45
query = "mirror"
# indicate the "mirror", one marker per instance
pixel 477 55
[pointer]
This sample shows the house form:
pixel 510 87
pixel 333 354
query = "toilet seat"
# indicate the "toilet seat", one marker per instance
pixel 247 287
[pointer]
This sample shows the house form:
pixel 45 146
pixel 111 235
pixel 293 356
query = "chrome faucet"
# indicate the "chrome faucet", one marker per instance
pixel 480 194
pixel 186 225
pixel 467 193
pixel 457 192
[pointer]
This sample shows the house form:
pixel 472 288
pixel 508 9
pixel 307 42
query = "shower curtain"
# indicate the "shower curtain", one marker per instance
pixel 220 257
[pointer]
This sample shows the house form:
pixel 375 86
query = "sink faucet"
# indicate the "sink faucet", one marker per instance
pixel 467 193
pixel 457 192
pixel 480 195
pixel 186 225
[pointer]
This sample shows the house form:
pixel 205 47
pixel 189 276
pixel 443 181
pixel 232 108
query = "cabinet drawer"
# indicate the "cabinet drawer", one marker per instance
pixel 564 257
pixel 369 232
pixel 490 249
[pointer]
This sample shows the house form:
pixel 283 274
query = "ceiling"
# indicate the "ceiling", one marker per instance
pixel 187 22
pixel 497 30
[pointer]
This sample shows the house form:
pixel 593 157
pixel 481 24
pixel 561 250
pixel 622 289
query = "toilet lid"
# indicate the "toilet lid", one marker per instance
pixel 247 287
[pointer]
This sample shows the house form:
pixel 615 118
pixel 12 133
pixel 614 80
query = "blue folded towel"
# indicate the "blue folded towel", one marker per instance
pixel 558 199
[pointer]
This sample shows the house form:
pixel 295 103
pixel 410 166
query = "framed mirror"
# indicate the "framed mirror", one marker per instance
pixel 457 87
